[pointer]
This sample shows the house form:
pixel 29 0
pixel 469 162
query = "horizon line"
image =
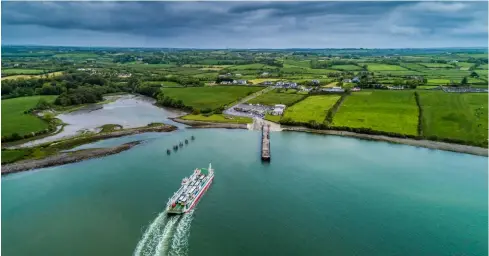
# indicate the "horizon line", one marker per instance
pixel 237 48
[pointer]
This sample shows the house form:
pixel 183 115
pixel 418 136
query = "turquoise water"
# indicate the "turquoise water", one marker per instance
pixel 320 195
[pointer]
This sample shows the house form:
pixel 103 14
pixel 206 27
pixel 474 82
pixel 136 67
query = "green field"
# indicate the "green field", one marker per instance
pixel 21 71
pixel 163 83
pixel 436 65
pixel 383 67
pixel 312 108
pixel 219 119
pixel 389 111
pixel 272 118
pixel 346 67
pixel 15 121
pixel 455 116
pixel 209 97
pixel 77 55
pixel 438 81
pixel 255 66
pixel 274 97
pixel 12 155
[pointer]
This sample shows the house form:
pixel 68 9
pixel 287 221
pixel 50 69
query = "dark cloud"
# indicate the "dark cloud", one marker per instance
pixel 247 24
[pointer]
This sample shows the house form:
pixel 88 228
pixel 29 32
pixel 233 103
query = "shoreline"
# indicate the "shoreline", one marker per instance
pixel 458 148
pixel 65 158
pixel 100 136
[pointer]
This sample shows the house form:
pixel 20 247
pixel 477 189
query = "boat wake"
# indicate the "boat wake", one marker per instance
pixel 166 236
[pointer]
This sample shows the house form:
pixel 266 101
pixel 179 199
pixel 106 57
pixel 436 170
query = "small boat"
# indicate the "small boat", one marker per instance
pixel 175 147
pixel 181 144
pixel 168 151
pixel 186 141
pixel 192 138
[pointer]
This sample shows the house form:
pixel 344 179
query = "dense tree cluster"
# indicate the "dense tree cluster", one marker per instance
pixel 80 95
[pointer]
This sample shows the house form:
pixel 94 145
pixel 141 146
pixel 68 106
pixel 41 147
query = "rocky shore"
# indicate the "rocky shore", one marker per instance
pixel 202 124
pixel 418 143
pixel 65 158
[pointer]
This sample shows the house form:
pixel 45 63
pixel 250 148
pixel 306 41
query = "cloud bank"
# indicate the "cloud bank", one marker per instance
pixel 247 24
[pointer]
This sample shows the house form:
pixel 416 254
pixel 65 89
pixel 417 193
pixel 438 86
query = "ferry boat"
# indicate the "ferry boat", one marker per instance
pixel 191 191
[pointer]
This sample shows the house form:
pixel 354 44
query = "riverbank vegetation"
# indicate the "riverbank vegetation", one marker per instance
pixel 219 118
pixel 53 148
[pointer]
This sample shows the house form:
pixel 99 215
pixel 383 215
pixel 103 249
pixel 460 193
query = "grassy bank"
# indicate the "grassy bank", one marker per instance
pixel 219 118
pixel 14 120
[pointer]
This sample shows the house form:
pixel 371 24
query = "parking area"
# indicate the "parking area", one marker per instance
pixel 251 110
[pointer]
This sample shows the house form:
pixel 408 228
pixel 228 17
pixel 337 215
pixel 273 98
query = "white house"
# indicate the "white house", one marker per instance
pixel 278 109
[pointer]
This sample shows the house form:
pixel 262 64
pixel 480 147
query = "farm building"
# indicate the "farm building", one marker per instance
pixel 314 81
pixel 267 83
pixel 264 74
pixel 355 89
pixel 346 81
pixel 355 80
pixel 278 110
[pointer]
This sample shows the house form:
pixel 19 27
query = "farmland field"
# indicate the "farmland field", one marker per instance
pixel 261 80
pixel 53 74
pixel 15 121
pixel 455 116
pixel 436 65
pixel 76 55
pixel 346 67
pixel 163 83
pixel 312 108
pixel 255 66
pixel 273 118
pixel 383 67
pixel 388 111
pixel 219 119
pixel 21 71
pixel 209 97
pixel 274 97
pixel 438 81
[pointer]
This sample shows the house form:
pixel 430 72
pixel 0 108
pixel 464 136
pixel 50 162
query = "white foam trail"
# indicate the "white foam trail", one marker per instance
pixel 179 246
pixel 165 237
pixel 148 242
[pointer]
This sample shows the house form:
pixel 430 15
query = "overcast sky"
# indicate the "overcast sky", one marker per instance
pixel 247 24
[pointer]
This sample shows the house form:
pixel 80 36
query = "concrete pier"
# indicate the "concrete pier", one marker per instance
pixel 265 143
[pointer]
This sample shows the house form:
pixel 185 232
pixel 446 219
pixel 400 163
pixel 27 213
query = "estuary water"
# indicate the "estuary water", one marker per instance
pixel 129 111
pixel 319 195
